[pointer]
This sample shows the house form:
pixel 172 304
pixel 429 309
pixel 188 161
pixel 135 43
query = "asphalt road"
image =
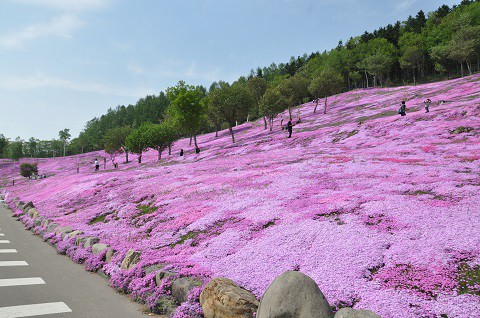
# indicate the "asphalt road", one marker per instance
pixel 36 281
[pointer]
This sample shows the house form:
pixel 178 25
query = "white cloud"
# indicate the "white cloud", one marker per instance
pixel 75 5
pixel 41 81
pixel 60 27
pixel 175 69
pixel 404 5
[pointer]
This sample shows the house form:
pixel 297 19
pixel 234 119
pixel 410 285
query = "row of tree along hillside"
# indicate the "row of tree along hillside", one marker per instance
pixel 442 44
pixel 35 148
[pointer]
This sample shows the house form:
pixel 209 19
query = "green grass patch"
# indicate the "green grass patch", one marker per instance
pixel 387 113
pixel 461 130
pixel 98 219
pixel 190 235
pixel 146 209
pixel 468 279
pixel 418 192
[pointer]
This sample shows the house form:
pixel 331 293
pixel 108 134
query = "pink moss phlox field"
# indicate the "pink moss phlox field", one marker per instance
pixel 380 210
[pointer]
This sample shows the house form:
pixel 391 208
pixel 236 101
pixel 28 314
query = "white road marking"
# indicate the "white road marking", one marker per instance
pixel 7 251
pixel 34 310
pixel 1 234
pixel 8 282
pixel 13 263
pixel 4 242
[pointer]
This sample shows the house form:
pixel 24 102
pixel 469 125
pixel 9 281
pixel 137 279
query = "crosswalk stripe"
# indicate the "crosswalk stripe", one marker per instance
pixel 8 282
pixel 13 263
pixel 1 234
pixel 34 310
pixel 7 251
pixel 4 242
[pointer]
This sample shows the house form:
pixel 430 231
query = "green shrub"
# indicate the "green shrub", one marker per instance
pixel 28 169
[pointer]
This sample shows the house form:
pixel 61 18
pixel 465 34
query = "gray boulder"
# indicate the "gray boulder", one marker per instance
pixel 109 255
pixel 131 259
pixel 28 206
pixel 38 221
pixel 294 295
pixel 61 229
pixel 90 241
pixel 351 313
pixel 182 286
pixel 99 248
pixel 33 213
pixel 153 268
pixel 79 241
pixel 222 298
pixel 73 234
pixel 51 227
pixel 163 274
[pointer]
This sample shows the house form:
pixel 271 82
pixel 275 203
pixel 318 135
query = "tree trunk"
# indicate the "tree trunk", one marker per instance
pixel 469 68
pixel 169 149
pixel 140 158
pixel 126 156
pixel 290 111
pixel 325 108
pixel 265 121
pixel 461 68
pixel 414 79
pixel 366 77
pixel 316 104
pixel 190 141
pixel 271 123
pixel 231 132
pixel 216 133
pixel 159 154
pixel 195 140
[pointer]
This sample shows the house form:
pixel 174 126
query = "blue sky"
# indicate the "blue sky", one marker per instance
pixel 63 62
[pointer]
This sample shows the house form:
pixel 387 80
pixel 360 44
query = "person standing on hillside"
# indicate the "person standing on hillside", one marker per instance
pixel 427 104
pixel 290 128
pixel 97 166
pixel 402 109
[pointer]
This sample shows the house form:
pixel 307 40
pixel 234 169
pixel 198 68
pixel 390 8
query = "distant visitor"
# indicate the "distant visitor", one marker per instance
pixel 97 166
pixel 181 152
pixel 402 109
pixel 427 104
pixel 290 128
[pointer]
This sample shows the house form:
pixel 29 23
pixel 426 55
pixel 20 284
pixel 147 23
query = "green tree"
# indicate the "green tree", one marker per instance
pixel 465 46
pixel 327 83
pixel 15 149
pixel 64 137
pixel 232 103
pixel 137 141
pixel 186 108
pixel 27 169
pixel 3 145
pixel 294 89
pixel 412 48
pixel 160 136
pixel 115 142
pixel 258 86
pixel 32 146
pixel 272 104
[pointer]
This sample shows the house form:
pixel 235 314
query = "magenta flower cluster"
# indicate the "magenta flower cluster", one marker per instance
pixel 379 209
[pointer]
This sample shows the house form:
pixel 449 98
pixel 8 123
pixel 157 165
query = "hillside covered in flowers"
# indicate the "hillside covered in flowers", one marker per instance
pixel 382 211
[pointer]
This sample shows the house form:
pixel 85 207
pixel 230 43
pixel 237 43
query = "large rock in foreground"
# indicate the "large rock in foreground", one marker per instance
pixel 222 298
pixel 351 313
pixel 294 295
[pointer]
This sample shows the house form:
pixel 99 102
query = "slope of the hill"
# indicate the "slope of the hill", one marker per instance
pixel 381 210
